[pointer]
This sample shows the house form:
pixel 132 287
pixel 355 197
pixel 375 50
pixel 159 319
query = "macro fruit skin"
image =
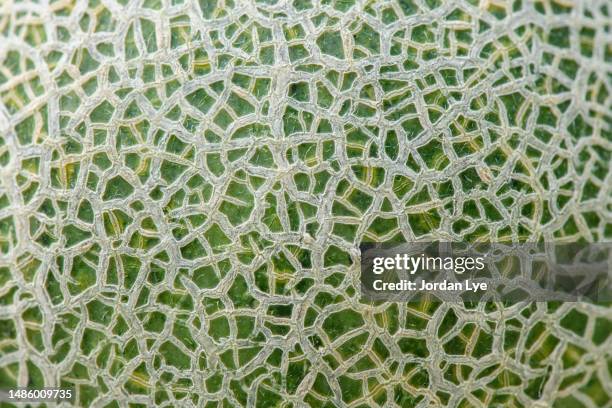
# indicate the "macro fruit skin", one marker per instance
pixel 184 186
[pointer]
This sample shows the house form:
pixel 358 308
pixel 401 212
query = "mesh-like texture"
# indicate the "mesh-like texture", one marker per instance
pixel 184 186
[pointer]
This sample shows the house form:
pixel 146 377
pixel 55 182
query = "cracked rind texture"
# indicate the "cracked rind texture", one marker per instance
pixel 184 186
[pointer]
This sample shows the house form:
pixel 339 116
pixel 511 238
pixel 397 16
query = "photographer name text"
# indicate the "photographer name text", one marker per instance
pixel 445 285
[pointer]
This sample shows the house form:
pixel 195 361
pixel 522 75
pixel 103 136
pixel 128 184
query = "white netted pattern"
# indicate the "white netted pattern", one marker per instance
pixel 184 186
